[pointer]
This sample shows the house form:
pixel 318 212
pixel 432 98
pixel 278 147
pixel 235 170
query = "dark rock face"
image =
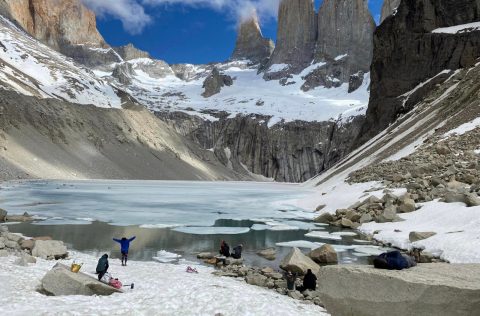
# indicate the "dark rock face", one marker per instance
pixel 407 53
pixel 214 83
pixel 289 152
pixel 129 52
pixel 389 6
pixel 295 37
pixel 251 44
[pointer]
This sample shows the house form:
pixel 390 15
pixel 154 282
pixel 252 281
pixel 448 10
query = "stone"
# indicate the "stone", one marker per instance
pixel 49 249
pixel 60 281
pixel 3 215
pixel 453 289
pixel 205 255
pixel 267 270
pixel 256 279
pixel 416 236
pixel 232 261
pixel 297 262
pixel 14 237
pixel 346 223
pixel 442 149
pixel 24 259
pixel 324 218
pixel 389 6
pixel 250 44
pixel 3 253
pixel 320 207
pixel 215 82
pixel 269 253
pixel 27 244
pixel 472 200
pixel 3 229
pixel 366 218
pixel 296 295
pixel 388 215
pixel 12 244
pixel 407 205
pixel 2 244
pixel 326 254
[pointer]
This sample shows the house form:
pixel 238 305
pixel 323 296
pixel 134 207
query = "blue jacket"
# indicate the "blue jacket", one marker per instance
pixel 125 243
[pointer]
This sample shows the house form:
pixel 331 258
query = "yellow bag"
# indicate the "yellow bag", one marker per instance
pixel 75 267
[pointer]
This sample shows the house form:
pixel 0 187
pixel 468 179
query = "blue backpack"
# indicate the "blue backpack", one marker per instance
pixel 392 261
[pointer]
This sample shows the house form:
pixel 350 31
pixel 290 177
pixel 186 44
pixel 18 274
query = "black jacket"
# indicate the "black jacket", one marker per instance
pixel 310 281
pixel 102 265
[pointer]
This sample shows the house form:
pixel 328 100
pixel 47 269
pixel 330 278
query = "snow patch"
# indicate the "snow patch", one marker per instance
pixel 458 29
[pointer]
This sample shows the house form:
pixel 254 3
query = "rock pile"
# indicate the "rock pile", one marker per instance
pixel 441 169
pixel 27 249
pixel 268 278
pixel 380 210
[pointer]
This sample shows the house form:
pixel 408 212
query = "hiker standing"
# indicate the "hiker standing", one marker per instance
pixel 124 246
pixel 102 266
pixel 290 277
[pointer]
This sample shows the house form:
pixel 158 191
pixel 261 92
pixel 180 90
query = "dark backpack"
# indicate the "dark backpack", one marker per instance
pixel 391 260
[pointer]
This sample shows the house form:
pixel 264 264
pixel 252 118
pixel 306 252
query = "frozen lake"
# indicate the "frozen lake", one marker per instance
pixel 177 216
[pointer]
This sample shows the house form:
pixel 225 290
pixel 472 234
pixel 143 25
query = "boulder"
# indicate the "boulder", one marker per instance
pixel 407 205
pixel 14 237
pixel 269 253
pixel 428 289
pixel 472 200
pixel 205 255
pixel 324 255
pixel 232 261
pixel 296 295
pixel 324 218
pixel 3 253
pixel 49 249
pixel 345 222
pixel 27 244
pixel 3 215
pixel 11 244
pixel 416 236
pixel 256 279
pixel 61 281
pixel 388 215
pixel 366 218
pixel 297 262
pixel 469 199
pixel 24 259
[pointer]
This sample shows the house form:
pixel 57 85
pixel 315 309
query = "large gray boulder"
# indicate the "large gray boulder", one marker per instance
pixel 428 289
pixel 324 255
pixel 299 263
pixel 250 43
pixel 49 249
pixel 61 281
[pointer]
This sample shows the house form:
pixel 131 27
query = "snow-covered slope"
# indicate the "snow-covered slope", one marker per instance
pixel 249 94
pixel 34 69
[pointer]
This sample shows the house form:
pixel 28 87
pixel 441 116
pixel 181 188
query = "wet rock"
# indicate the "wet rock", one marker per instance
pixel 416 236
pixel 297 262
pixel 324 255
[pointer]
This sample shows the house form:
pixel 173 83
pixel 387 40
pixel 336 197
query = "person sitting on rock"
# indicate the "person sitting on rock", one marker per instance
pixel 309 281
pixel 237 252
pixel 102 266
pixel 224 249
pixel 124 247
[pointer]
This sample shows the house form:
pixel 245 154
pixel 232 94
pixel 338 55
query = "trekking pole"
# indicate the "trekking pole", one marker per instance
pixel 130 285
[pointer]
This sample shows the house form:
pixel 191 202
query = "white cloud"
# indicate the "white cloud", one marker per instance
pixel 130 12
pixel 134 16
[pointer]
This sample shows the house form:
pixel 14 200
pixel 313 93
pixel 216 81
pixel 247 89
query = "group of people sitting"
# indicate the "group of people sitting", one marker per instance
pixel 225 250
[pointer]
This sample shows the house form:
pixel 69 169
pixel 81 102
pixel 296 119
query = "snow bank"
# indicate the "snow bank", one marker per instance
pixel 457 228
pixel 160 289
pixel 457 29
pixel 464 128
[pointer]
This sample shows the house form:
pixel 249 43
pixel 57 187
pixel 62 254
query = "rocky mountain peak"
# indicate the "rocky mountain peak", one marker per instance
pixel 250 42
pixel 67 26
pixel 129 52
pixel 296 36
pixel 389 6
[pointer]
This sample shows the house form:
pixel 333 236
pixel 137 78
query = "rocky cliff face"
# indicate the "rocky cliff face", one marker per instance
pixel 129 52
pixel 389 6
pixel 407 53
pixel 67 26
pixel 250 42
pixel 288 152
pixel 295 37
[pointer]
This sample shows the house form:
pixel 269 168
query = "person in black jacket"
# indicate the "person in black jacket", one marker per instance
pixel 102 266
pixel 237 252
pixel 309 281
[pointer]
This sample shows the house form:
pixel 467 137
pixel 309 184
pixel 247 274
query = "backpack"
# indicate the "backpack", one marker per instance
pixel 115 283
pixel 391 260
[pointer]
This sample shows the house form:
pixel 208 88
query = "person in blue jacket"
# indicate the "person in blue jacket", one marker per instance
pixel 124 246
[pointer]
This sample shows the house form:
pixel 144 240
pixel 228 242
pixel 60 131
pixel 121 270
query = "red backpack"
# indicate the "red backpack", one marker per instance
pixel 115 283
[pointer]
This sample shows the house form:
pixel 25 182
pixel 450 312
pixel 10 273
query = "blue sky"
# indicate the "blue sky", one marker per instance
pixel 183 31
